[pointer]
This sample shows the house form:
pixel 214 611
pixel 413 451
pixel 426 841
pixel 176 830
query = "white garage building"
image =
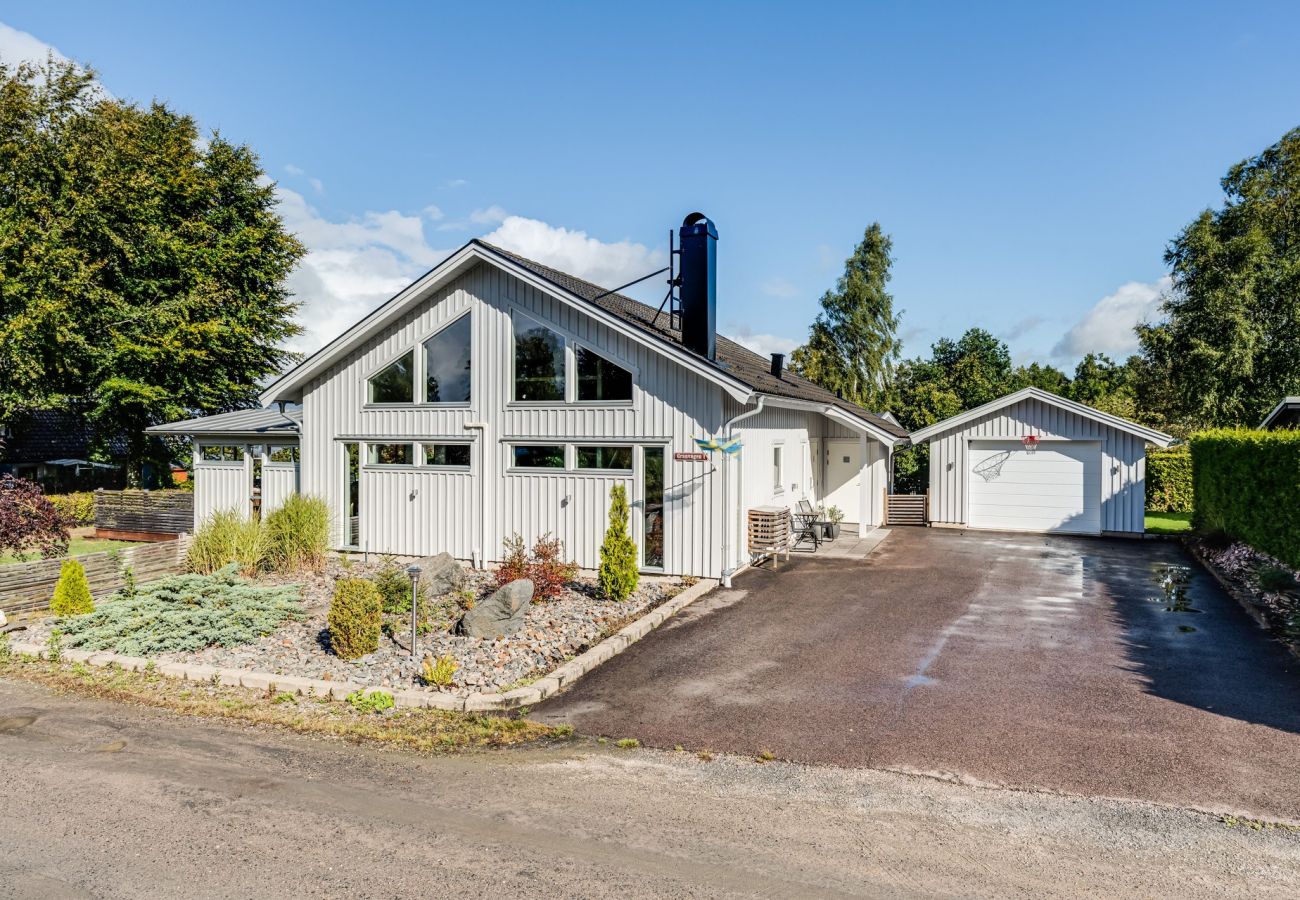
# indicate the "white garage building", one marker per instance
pixel 1034 461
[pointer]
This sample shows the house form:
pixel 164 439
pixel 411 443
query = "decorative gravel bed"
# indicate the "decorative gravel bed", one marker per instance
pixel 1240 566
pixel 555 631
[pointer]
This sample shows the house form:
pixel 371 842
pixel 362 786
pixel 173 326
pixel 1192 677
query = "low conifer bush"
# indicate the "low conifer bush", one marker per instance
pixel 355 618
pixel 183 613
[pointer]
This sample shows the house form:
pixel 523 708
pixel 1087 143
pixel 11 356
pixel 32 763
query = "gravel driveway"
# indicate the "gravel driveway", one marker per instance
pixel 1034 661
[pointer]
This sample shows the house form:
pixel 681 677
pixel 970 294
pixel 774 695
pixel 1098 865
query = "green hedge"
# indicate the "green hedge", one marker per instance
pixel 1247 484
pixel 77 508
pixel 1169 480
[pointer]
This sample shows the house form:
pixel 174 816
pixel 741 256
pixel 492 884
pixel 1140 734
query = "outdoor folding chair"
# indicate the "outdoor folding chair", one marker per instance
pixel 806 526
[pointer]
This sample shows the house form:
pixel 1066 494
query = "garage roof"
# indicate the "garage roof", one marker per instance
pixel 1032 393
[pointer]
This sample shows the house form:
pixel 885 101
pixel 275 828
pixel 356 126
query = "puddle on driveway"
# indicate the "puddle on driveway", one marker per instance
pixel 1173 581
pixel 15 724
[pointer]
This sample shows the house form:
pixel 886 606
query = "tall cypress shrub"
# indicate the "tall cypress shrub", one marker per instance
pixel 72 591
pixel 618 569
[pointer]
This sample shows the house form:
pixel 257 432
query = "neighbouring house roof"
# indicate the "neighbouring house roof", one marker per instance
pixel 738 370
pixel 1285 415
pixel 1033 393
pixel 267 422
pixel 42 435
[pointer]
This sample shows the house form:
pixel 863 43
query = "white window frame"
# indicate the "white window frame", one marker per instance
pixel 420 457
pixel 571 344
pixel 778 468
pixel 367 464
pixel 392 360
pixel 579 444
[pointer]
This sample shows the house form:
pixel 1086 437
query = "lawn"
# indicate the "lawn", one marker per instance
pixel 79 546
pixel 1168 522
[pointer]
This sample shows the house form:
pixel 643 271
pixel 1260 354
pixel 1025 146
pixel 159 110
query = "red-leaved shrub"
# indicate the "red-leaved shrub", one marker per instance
pixel 544 566
pixel 29 521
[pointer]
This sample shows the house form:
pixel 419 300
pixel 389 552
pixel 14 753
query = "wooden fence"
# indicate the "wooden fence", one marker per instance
pixel 907 509
pixel 142 515
pixel 28 587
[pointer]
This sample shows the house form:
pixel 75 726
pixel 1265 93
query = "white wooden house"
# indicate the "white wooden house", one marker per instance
pixel 496 395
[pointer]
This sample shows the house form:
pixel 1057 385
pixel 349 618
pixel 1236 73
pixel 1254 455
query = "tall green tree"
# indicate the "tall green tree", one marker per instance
pixel 853 345
pixel 142 268
pixel 1107 385
pixel 1229 346
pixel 1044 377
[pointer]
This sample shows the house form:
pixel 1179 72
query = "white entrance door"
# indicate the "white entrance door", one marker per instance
pixel 844 478
pixel 1056 488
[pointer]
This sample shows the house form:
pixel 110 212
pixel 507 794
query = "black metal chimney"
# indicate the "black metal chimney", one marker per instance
pixel 698 240
pixel 778 363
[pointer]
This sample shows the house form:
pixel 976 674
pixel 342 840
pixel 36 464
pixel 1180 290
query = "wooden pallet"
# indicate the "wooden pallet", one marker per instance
pixel 769 533
pixel 907 509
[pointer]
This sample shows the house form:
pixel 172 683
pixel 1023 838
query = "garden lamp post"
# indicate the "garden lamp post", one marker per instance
pixel 414 572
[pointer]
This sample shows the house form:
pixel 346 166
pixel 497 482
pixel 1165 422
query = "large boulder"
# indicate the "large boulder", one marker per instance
pixel 501 614
pixel 441 574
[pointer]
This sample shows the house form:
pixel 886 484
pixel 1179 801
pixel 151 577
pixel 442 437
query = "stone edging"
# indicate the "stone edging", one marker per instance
pixel 544 687
pixel 1244 601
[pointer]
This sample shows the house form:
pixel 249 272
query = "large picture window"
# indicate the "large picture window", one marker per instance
pixel 395 383
pixel 600 379
pixel 539 362
pixel 447 364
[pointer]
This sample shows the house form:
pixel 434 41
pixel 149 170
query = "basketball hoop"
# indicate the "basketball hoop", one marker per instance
pixel 1031 442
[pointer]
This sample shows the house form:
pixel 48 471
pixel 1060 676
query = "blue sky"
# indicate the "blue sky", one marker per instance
pixel 1030 160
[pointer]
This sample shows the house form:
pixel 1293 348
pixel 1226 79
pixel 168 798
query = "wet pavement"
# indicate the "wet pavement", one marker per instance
pixel 1105 667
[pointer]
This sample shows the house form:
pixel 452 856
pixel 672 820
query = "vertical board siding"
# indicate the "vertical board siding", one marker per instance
pixel 1123 460
pixel 279 482
pixel 219 486
pixel 670 407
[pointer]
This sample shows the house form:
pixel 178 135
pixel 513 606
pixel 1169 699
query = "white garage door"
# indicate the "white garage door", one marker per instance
pixel 1054 488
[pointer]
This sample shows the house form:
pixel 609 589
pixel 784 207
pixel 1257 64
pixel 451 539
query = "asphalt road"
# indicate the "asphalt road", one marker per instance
pixel 1013 660
pixel 101 800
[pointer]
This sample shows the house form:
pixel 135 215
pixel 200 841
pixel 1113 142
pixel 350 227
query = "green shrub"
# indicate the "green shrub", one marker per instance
pixel 183 613
pixel 394 587
pixel 439 672
pixel 54 646
pixel 298 534
pixel 77 509
pixel 228 537
pixel 1169 480
pixel 1276 580
pixel 373 702
pixel 72 592
pixel 355 618
pixel 618 568
pixel 1247 485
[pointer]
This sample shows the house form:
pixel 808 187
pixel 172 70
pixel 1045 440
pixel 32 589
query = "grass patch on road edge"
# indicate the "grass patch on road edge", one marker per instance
pixel 422 730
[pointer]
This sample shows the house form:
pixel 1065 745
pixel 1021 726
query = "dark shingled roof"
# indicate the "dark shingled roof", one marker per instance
pixel 735 360
pixel 41 435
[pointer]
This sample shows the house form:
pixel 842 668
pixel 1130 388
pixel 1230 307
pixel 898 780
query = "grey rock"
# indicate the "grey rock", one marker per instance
pixel 441 574
pixel 500 614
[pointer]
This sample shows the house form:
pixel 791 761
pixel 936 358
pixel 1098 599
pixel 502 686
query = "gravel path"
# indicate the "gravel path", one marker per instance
pixel 111 801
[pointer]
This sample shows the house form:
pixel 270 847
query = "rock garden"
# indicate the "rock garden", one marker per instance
pixel 265 596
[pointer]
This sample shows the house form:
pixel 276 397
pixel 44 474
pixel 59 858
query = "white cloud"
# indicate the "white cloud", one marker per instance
pixel 778 287
pixel 298 172
pixel 493 215
pixel 1108 326
pixel 19 46
pixel 452 183
pixel 433 212
pixel 575 252
pixel 350 267
pixel 763 344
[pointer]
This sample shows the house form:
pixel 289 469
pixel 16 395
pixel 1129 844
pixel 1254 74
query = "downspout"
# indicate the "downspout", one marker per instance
pixel 480 555
pixel 726 481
